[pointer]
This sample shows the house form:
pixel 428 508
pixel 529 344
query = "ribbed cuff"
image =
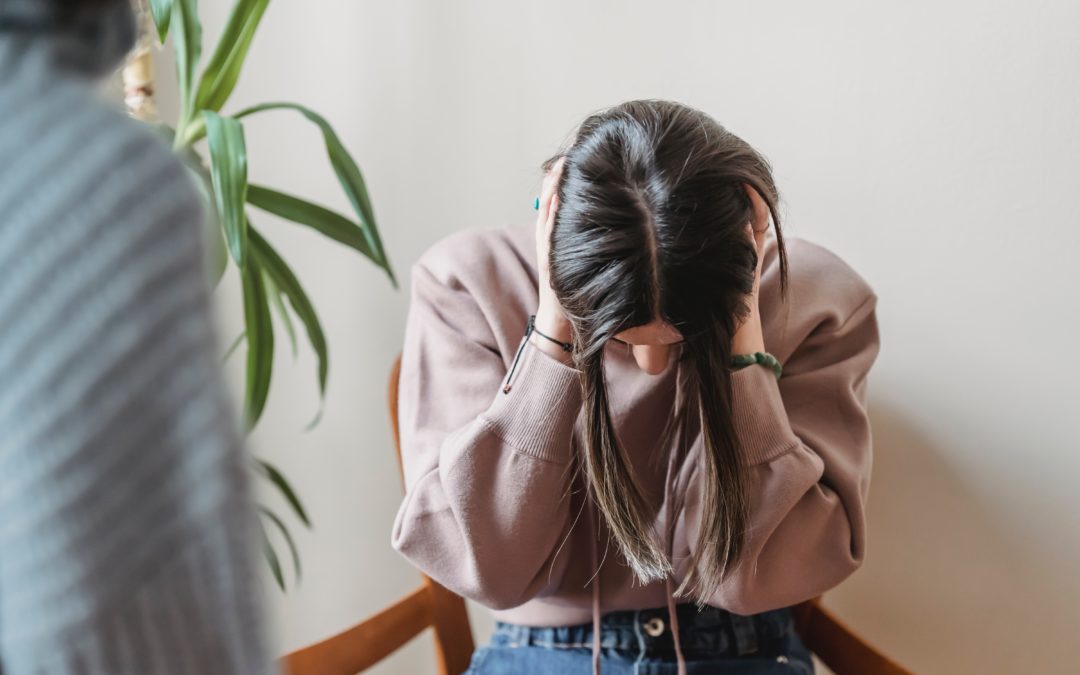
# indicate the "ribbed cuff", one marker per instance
pixel 536 416
pixel 760 419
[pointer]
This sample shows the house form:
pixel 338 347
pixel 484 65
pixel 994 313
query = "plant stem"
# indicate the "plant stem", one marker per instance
pixel 189 133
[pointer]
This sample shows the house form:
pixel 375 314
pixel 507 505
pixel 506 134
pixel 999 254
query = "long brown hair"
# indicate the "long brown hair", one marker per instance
pixel 651 225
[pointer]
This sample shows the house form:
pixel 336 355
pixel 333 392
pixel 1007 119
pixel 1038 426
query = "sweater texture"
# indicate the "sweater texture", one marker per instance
pixel 496 506
pixel 127 533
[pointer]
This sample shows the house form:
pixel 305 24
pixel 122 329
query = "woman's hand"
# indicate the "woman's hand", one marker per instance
pixel 550 317
pixel 748 337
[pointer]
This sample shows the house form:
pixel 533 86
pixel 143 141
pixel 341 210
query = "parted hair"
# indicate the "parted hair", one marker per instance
pixel 651 225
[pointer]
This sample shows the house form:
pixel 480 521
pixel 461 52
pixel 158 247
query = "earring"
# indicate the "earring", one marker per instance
pixel 536 204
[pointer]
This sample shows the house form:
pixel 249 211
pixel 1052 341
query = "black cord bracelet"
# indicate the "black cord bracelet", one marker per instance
pixel 567 346
pixel 529 330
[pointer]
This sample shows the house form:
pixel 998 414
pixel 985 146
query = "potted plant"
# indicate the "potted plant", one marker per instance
pixel 268 283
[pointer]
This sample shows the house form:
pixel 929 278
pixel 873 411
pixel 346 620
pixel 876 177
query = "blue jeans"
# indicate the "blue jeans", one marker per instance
pixel 639 642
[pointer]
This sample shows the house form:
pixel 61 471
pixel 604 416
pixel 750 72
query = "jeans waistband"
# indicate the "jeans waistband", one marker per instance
pixel 711 629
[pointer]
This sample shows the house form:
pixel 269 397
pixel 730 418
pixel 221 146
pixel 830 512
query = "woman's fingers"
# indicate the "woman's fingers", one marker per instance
pixel 757 229
pixel 545 219
pixel 547 191
pixel 550 317
pixel 553 208
pixel 761 209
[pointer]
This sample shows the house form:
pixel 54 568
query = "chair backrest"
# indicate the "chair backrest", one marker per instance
pixel 377 637
pixel 838 646
pixel 367 643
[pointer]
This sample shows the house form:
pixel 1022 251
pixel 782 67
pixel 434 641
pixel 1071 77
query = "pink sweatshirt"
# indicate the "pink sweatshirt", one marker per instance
pixel 494 507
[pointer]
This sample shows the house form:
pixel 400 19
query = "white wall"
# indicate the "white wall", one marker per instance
pixel 933 145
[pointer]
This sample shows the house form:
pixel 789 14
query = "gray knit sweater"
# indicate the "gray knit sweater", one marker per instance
pixel 126 526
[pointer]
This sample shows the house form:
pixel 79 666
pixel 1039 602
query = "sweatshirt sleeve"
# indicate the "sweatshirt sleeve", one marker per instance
pixel 487 472
pixel 808 441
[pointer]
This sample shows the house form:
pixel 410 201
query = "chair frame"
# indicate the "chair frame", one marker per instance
pixel 376 638
pixel 838 646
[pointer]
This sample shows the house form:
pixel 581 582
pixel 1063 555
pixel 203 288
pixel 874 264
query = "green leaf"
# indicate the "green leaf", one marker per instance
pixel 223 70
pixel 193 131
pixel 228 169
pixel 217 257
pixel 283 276
pixel 161 11
pixel 260 341
pixel 288 538
pixel 332 224
pixel 212 228
pixel 187 41
pixel 315 420
pixel 348 173
pixel 219 260
pixel 272 558
pixel 274 294
pixel 279 481
pixel 235 343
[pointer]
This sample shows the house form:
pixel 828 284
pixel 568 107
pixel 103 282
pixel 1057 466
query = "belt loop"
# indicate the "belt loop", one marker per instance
pixel 745 633
pixel 522 635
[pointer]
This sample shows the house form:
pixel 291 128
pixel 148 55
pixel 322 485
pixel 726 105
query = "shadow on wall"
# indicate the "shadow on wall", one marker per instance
pixel 946 588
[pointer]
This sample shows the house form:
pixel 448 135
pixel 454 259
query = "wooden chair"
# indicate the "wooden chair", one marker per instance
pixel 431 605
pixel 372 640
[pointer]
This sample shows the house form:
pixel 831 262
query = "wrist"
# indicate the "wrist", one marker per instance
pixel 553 323
pixel 748 346
pixel 555 329
pixel 749 338
pixel 551 349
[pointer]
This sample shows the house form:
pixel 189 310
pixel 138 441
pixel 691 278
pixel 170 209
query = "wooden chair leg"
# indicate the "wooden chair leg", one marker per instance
pixel 453 636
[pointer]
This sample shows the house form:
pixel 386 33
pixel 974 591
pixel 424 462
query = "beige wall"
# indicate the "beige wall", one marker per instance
pixel 932 145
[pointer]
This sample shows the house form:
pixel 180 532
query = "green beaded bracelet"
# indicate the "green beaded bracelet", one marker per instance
pixel 764 358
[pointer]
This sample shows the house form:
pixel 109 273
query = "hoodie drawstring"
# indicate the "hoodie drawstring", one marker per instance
pixel 668 503
pixel 669 526
pixel 673 616
pixel 672 613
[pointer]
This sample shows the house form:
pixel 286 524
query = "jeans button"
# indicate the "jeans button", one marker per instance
pixel 654 626
pixel 782 658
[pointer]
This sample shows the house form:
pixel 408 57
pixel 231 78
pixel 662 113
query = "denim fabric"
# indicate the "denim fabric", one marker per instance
pixel 639 642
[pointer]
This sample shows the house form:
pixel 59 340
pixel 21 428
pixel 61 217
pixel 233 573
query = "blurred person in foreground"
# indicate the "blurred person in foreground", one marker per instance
pixel 127 531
